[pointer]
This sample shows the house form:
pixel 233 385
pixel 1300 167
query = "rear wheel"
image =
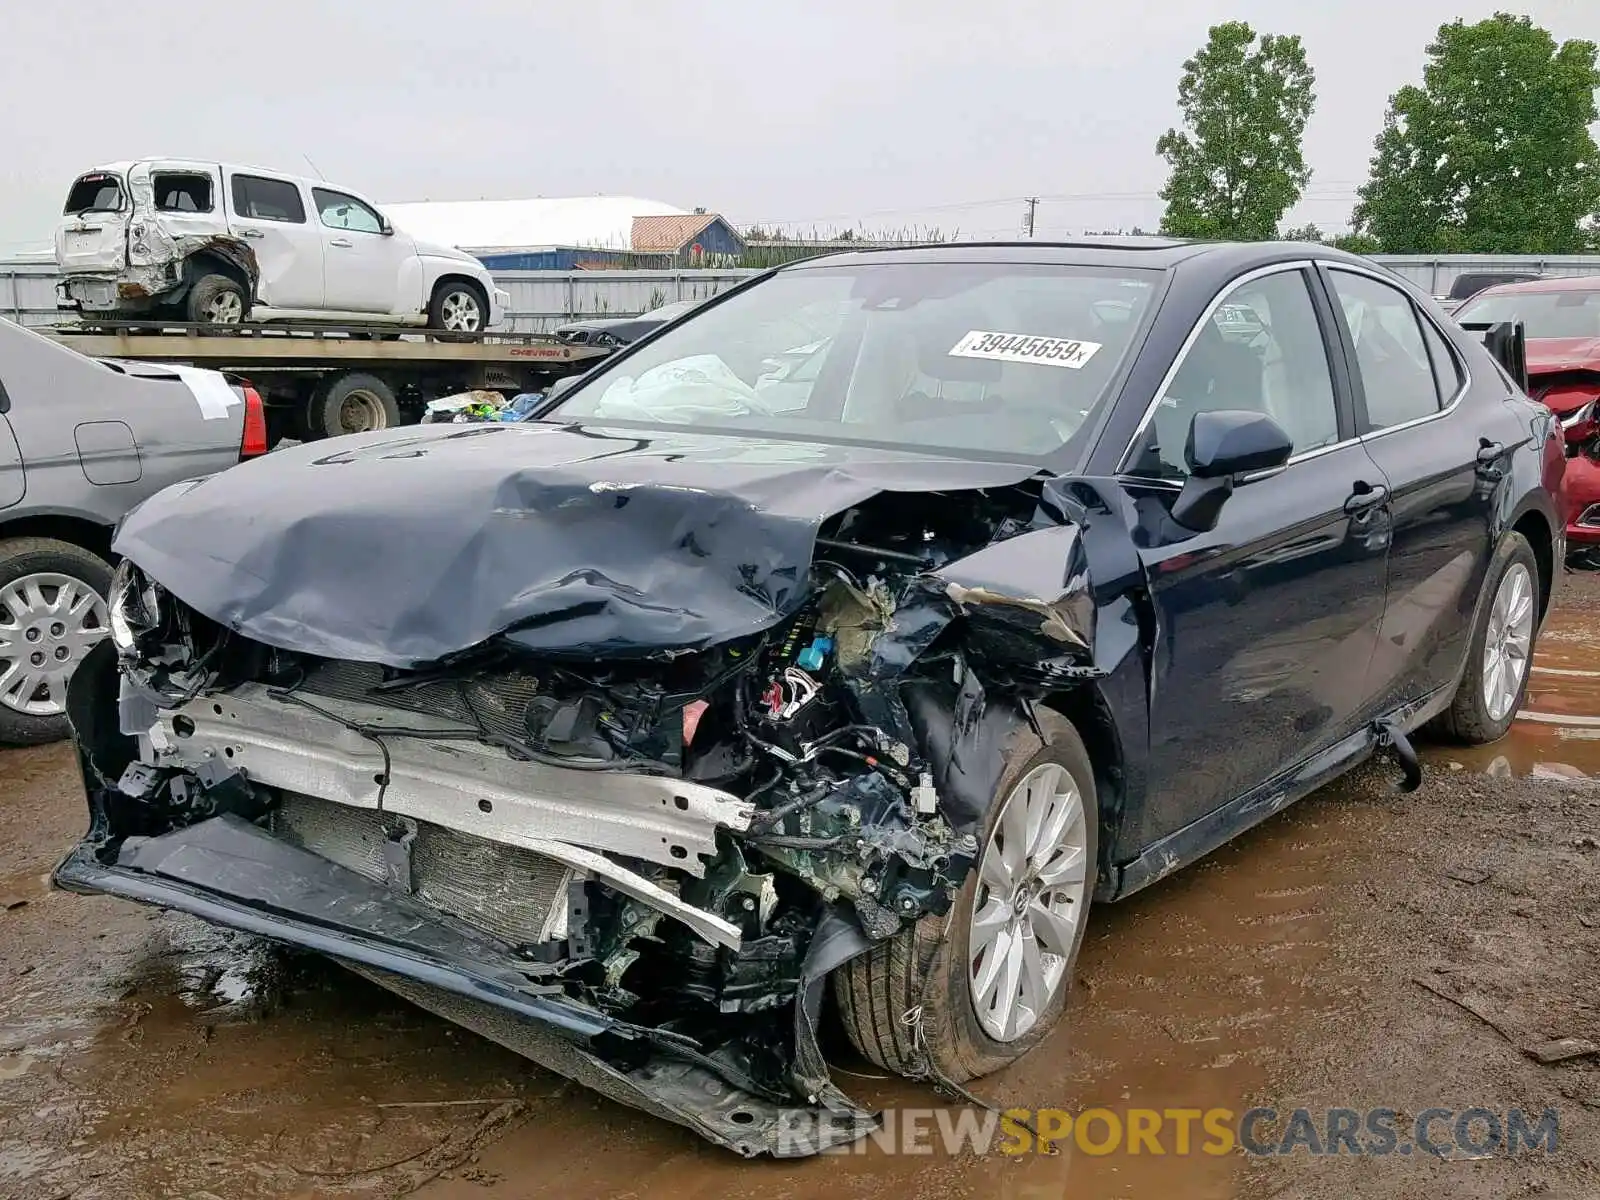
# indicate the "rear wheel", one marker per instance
pixel 353 403
pixel 976 989
pixel 52 613
pixel 216 300
pixel 1500 653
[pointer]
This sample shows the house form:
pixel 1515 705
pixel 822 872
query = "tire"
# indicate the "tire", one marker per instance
pixel 351 403
pixel 452 301
pixel 925 966
pixel 216 300
pixel 47 564
pixel 1469 719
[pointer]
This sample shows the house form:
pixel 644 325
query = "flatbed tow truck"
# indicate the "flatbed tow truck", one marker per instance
pixel 320 380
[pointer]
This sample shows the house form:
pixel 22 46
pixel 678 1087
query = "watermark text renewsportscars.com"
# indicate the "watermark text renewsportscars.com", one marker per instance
pixel 1375 1132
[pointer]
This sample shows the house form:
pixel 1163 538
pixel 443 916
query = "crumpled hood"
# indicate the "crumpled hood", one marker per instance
pixel 406 546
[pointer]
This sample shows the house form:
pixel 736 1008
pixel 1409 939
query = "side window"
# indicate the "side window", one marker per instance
pixel 260 199
pixel 1261 349
pixel 338 211
pixel 1396 372
pixel 182 192
pixel 1446 367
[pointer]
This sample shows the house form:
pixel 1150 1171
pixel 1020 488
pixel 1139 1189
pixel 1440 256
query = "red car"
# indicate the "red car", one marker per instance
pixel 1561 321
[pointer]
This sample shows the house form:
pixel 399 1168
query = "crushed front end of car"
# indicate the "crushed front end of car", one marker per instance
pixel 612 771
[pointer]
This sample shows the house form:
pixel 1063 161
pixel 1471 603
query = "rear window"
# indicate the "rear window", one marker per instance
pixel 262 199
pixel 183 192
pixel 94 193
pixel 1572 314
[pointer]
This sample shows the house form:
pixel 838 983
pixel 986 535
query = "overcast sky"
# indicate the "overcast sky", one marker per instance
pixel 882 113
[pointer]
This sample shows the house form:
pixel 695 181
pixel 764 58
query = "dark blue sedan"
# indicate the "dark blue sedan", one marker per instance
pixel 845 638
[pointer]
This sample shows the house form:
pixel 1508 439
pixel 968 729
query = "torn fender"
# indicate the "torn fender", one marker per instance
pixel 407 546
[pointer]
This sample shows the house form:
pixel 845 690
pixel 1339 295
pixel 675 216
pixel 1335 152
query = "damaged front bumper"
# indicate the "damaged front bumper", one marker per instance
pixel 229 872
pixel 460 912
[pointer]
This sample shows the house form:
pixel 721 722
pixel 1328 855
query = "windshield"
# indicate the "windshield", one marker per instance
pixel 1574 314
pixel 94 193
pixel 969 357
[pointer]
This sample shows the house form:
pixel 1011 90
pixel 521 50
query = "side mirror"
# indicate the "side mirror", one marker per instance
pixel 384 228
pixel 1224 445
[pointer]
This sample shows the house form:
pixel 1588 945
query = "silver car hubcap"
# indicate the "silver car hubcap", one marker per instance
pixel 1507 641
pixel 48 622
pixel 1033 884
pixel 226 309
pixel 461 312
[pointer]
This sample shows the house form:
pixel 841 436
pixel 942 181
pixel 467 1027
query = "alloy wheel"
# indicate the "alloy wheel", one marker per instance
pixel 1507 641
pixel 227 308
pixel 461 312
pixel 1033 885
pixel 48 623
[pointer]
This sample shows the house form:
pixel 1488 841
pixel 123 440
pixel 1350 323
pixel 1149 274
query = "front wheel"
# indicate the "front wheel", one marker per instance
pixel 52 613
pixel 458 308
pixel 971 991
pixel 1500 654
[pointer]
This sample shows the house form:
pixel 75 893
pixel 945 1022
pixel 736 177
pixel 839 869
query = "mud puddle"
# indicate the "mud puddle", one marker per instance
pixel 1557 734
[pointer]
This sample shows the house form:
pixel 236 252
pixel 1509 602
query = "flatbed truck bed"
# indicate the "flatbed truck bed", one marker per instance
pixel 318 380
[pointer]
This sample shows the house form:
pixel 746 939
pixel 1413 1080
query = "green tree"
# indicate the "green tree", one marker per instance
pixel 1356 242
pixel 1492 154
pixel 1304 233
pixel 1236 164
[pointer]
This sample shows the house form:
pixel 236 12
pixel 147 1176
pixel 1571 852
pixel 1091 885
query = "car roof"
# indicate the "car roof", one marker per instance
pixel 1150 253
pixel 1558 283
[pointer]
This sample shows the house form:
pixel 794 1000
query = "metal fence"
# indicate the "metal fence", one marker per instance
pixel 541 300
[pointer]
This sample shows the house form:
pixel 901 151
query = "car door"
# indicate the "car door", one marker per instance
pixel 1440 460
pixel 13 482
pixel 270 214
pixel 1266 623
pixel 365 260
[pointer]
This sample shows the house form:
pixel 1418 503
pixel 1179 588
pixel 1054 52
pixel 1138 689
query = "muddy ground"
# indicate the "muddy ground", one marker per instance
pixel 1363 949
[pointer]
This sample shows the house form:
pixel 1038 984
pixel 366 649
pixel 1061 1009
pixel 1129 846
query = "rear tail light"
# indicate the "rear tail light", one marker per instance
pixel 254 442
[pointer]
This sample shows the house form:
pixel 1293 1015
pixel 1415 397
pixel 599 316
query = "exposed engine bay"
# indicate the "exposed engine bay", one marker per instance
pixel 659 855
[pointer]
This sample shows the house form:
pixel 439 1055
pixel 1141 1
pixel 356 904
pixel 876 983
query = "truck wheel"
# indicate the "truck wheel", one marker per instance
pixel 458 308
pixel 353 403
pixel 52 613
pixel 216 300
pixel 968 992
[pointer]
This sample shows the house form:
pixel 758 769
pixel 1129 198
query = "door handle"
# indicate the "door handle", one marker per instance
pixel 251 233
pixel 1366 497
pixel 345 242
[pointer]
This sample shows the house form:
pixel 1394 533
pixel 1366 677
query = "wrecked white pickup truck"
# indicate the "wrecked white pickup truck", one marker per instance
pixel 628 734
pixel 217 244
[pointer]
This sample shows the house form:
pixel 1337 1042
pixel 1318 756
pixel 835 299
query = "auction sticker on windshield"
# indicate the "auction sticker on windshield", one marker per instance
pixel 1023 348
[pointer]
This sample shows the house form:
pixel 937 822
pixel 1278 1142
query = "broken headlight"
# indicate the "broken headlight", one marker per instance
pixel 135 608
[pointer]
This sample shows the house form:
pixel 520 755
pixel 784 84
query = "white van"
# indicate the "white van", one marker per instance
pixel 219 244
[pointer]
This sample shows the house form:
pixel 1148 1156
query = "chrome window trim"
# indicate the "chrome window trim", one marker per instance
pixel 1463 368
pixel 1299 264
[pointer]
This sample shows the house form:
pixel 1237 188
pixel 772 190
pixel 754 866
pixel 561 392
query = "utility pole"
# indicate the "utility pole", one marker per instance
pixel 1027 222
